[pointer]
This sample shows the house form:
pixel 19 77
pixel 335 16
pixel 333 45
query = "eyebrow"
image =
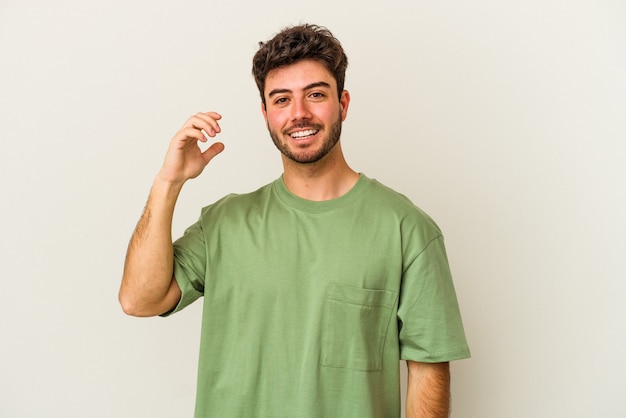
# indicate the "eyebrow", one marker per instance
pixel 309 87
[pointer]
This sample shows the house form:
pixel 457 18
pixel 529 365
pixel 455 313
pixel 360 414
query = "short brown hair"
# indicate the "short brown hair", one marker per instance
pixel 298 43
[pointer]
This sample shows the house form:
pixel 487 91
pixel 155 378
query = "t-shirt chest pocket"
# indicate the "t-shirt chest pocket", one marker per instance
pixel 357 321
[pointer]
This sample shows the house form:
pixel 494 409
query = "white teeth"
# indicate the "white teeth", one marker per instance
pixel 302 134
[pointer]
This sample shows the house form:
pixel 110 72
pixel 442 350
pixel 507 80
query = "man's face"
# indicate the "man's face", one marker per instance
pixel 303 112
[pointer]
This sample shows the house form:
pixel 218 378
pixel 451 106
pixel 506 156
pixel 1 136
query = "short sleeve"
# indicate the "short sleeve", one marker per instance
pixel 431 329
pixel 190 265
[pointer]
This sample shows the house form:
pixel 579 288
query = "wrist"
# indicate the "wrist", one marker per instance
pixel 164 187
pixel 164 182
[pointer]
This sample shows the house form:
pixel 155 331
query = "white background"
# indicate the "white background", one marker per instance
pixel 504 120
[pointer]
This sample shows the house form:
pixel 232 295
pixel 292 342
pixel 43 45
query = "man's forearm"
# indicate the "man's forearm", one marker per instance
pixel 148 268
pixel 148 287
pixel 428 390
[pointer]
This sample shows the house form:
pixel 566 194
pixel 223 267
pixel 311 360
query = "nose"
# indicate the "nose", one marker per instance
pixel 300 110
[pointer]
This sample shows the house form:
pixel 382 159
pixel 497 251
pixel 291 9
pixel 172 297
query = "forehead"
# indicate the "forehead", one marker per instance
pixel 298 76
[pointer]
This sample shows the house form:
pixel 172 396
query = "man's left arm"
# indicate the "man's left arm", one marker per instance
pixel 428 390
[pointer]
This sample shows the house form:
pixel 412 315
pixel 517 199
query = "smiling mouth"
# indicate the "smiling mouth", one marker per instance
pixel 304 134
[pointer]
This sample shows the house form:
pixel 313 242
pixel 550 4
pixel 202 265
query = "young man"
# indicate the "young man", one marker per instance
pixel 315 285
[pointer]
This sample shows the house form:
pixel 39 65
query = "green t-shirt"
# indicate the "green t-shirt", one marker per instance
pixel 309 306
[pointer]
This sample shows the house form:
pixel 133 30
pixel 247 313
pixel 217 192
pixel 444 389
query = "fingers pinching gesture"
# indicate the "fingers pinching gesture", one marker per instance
pixel 185 160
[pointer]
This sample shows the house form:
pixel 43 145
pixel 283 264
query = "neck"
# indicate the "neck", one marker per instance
pixel 327 179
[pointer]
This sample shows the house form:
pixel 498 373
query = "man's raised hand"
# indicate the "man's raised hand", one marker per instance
pixel 185 160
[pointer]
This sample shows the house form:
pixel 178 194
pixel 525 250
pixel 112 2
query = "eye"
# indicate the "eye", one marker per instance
pixel 317 95
pixel 281 101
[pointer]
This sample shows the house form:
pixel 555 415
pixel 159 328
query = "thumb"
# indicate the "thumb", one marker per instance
pixel 212 151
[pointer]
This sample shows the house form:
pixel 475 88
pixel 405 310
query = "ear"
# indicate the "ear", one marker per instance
pixel 264 110
pixel 344 102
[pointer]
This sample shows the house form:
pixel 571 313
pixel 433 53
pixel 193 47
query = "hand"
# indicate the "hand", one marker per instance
pixel 185 160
